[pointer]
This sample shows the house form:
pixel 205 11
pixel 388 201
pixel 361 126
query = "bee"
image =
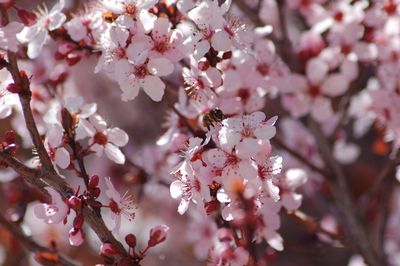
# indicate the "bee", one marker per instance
pixel 109 17
pixel 215 116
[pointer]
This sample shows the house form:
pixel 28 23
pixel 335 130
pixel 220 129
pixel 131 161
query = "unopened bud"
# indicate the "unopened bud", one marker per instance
pixel 94 181
pixel 108 250
pixel 157 235
pixel 76 237
pixel 14 88
pixel 74 202
pixel 27 17
pixel 131 240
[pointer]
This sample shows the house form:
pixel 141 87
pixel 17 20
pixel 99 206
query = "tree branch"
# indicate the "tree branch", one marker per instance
pixel 344 201
pixel 30 244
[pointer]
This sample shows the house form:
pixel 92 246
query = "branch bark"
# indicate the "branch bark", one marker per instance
pixel 30 244
pixel 344 201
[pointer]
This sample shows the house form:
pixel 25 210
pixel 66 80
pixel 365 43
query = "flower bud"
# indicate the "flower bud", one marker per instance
pixel 157 235
pixel 76 237
pixel 74 202
pixel 95 192
pixel 131 240
pixel 108 250
pixel 27 17
pixel 14 88
pixel 93 181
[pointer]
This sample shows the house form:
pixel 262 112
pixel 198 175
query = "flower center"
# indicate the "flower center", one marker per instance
pixel 263 68
pixel 130 9
pixel 314 91
pixel 141 71
pixel 120 52
pixel 244 94
pixel 100 138
pixel 114 207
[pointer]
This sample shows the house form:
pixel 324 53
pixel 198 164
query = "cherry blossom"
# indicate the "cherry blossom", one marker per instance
pixel 120 206
pixel 55 212
pixel 37 35
pixel 105 139
pixel 311 94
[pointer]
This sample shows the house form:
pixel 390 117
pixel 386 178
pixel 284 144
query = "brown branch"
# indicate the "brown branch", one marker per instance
pixel 31 175
pixel 30 244
pixel 344 201
pixel 47 172
pixel 25 99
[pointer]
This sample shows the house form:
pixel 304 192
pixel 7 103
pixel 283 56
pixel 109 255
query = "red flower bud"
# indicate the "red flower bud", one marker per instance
pixel 74 202
pixel 94 181
pixel 108 250
pixel 131 240
pixel 14 88
pixel 157 235
pixel 27 17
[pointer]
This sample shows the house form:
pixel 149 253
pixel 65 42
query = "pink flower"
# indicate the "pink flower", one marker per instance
pixel 145 73
pixel 294 178
pixel 55 212
pixel 119 205
pixel 188 187
pixel 37 35
pixel 245 134
pixel 166 42
pixel 106 139
pixel 310 94
pixel 55 135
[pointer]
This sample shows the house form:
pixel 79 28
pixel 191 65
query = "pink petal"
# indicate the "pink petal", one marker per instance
pixel 117 136
pixel 114 153
pixel 175 189
pixel 335 85
pixel 62 158
pixel 160 67
pixel 154 87
pixel 316 70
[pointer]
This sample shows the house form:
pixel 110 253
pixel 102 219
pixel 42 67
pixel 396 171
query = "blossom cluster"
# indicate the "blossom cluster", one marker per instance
pixel 266 103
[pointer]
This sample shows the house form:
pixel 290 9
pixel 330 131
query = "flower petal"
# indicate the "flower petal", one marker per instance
pixel 154 87
pixel 114 153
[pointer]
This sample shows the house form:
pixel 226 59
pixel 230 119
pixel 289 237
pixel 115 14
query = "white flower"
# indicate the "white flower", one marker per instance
pixel 60 155
pixel 55 212
pixel 245 133
pixel 144 74
pixel 7 100
pixel 106 139
pixel 188 187
pixel 119 205
pixel 37 35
